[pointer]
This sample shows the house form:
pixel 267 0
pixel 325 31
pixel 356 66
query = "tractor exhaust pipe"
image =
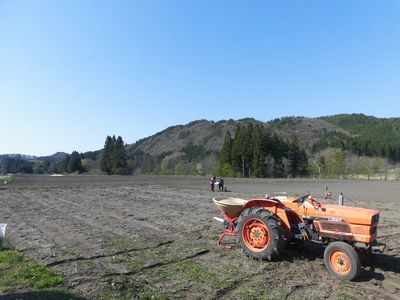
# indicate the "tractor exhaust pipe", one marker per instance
pixel 2 234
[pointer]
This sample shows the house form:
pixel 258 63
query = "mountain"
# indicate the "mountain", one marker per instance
pixel 20 163
pixel 360 124
pixel 58 156
pixel 195 147
pixel 183 148
pixel 367 136
pixel 210 134
pixel 305 131
pixel 51 158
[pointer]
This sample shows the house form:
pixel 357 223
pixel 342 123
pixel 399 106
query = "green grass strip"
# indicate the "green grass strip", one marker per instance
pixel 17 272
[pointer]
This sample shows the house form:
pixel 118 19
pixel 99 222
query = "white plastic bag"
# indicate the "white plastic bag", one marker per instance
pixel 2 234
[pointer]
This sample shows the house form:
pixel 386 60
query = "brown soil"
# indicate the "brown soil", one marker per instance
pixel 134 237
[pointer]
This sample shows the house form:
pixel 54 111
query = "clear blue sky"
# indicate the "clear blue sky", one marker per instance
pixel 73 72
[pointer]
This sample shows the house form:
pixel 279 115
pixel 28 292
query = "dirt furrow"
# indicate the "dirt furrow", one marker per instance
pixel 122 237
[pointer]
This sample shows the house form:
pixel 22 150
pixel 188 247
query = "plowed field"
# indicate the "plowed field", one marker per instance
pixel 135 237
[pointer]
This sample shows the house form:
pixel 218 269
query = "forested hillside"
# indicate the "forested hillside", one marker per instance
pixel 183 149
pixel 347 145
pixel 368 136
pixel 255 152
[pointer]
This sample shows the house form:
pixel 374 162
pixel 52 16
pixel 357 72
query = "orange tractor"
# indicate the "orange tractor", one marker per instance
pixel 262 227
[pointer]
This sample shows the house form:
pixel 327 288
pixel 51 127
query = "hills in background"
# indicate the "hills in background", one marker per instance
pixel 339 144
pixel 356 140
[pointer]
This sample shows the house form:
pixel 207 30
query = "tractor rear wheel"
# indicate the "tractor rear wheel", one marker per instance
pixel 342 260
pixel 259 234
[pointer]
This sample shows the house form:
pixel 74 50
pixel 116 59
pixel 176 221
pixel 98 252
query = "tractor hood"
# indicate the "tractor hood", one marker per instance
pixel 350 214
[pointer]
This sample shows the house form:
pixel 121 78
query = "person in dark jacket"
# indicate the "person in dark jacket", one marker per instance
pixel 221 184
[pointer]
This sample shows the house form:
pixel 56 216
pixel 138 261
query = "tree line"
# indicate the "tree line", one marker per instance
pixel 336 163
pixel 254 152
pixel 72 163
pixel 365 145
pixel 113 159
pixel 369 136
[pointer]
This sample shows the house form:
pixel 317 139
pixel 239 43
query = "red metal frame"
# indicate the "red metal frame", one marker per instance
pixel 227 232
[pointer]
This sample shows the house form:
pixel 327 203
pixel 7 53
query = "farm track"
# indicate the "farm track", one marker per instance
pixel 114 237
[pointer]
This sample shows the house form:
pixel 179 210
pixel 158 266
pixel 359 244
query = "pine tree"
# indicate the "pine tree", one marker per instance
pixel 225 168
pixel 242 150
pixel 239 161
pixel 225 156
pixel 64 164
pixel 120 157
pixel 248 147
pixel 257 153
pixel 236 158
pixel 257 169
pixel 113 160
pixel 298 160
pixel 74 163
pixel 106 162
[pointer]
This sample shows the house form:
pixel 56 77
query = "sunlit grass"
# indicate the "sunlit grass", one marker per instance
pixel 17 272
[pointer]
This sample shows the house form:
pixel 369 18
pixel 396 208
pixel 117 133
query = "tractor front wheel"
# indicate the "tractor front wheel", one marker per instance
pixel 259 234
pixel 342 260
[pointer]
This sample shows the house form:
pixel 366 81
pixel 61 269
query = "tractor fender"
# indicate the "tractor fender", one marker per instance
pixel 274 206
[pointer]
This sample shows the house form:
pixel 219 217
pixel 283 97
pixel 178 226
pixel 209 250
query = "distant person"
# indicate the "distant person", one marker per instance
pixel 212 183
pixel 221 184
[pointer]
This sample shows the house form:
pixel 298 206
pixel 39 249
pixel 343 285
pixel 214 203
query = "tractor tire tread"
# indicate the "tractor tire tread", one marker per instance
pixel 350 252
pixel 277 239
